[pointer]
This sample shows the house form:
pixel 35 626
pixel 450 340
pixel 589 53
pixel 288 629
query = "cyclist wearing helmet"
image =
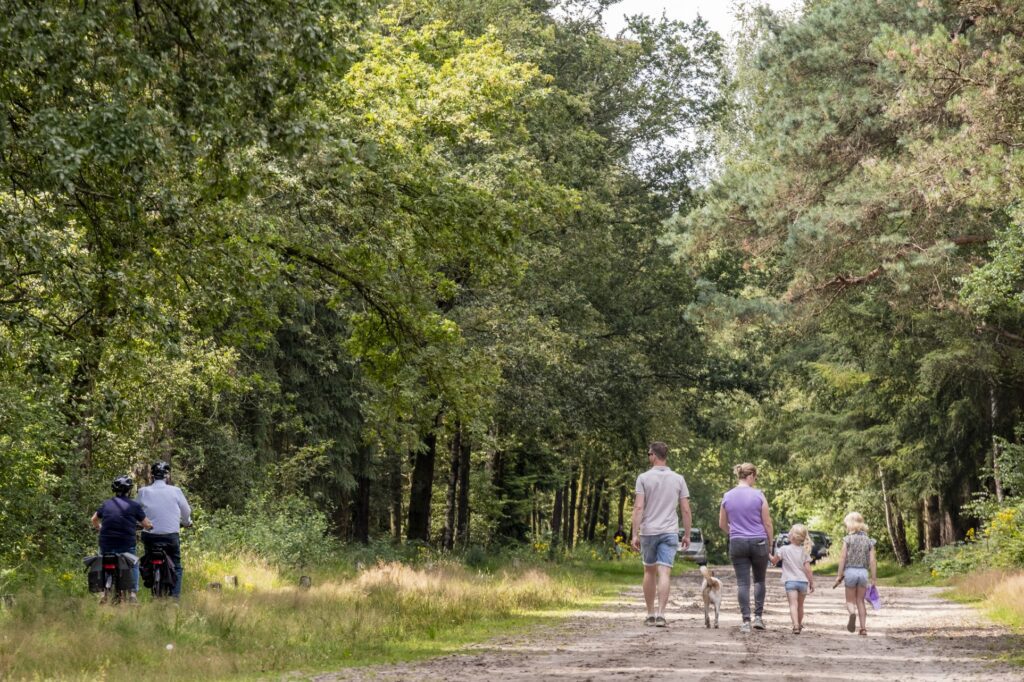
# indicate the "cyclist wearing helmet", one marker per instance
pixel 166 505
pixel 117 519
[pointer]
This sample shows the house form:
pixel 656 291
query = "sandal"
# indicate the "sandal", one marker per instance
pixel 851 624
pixel 796 631
pixel 863 632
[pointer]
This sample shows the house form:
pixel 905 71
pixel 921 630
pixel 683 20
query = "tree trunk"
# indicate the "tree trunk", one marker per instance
pixel 579 511
pixel 395 484
pixel 994 452
pixel 448 536
pixel 947 526
pixel 919 514
pixel 343 517
pixel 595 508
pixel 622 506
pixel 418 526
pixel 556 519
pixel 894 524
pixel 604 520
pixel 586 509
pixel 933 538
pixel 361 510
pixel 570 526
pixel 462 527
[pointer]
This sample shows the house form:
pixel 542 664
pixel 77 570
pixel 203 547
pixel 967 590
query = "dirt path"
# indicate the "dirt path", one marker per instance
pixel 916 636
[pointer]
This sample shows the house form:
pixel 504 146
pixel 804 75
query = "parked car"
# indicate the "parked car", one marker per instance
pixel 820 544
pixel 696 551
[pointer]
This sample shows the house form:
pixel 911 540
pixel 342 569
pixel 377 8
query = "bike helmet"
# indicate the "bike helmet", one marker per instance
pixel 122 485
pixel 160 470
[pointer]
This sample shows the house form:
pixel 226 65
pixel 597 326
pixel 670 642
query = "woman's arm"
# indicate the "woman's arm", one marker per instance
pixel 723 520
pixel 766 519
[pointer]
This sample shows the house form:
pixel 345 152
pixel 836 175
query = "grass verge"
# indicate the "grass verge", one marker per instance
pixel 386 613
pixel 889 573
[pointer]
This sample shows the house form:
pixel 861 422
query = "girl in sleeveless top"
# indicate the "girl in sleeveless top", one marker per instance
pixel 857 568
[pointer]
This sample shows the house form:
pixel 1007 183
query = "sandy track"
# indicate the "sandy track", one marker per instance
pixel 916 636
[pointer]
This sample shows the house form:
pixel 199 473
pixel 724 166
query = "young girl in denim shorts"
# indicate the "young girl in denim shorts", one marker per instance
pixel 796 573
pixel 857 568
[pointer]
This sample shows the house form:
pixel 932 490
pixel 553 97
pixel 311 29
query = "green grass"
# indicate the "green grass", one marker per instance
pixel 386 613
pixel 889 573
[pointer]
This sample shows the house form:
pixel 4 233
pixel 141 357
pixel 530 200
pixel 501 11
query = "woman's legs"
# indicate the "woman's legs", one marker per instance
pixel 862 607
pixel 739 554
pixel 759 562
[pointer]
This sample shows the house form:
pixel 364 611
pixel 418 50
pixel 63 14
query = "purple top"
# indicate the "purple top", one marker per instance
pixel 743 505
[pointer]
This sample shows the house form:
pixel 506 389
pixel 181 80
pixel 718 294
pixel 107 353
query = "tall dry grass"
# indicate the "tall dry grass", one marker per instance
pixel 1000 593
pixel 387 612
pixel 1006 602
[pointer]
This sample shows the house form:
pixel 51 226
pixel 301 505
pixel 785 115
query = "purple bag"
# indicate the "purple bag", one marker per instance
pixel 871 596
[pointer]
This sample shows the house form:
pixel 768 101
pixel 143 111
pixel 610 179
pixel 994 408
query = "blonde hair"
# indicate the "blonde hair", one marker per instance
pixel 798 535
pixel 854 523
pixel 744 470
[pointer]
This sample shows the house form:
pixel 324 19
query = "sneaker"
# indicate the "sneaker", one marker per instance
pixel 660 622
pixel 758 623
pixel 649 620
pixel 133 598
pixel 745 628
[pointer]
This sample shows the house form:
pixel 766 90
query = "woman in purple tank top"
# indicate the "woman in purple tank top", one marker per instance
pixel 745 518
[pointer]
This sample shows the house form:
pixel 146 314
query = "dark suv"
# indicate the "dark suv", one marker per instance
pixel 820 544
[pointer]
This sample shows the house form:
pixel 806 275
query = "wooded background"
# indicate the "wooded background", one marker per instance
pixel 438 270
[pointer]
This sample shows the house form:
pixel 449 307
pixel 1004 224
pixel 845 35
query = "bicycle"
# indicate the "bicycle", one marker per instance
pixel 158 572
pixel 110 574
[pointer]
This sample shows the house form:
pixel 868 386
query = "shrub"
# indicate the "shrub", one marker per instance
pixel 998 544
pixel 288 531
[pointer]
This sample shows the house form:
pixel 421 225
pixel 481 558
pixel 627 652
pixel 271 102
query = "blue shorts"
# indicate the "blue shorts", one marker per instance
pixel 796 586
pixel 659 550
pixel 856 577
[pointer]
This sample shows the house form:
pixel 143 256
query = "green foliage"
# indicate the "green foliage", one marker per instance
pixel 998 542
pixel 289 531
pixel 864 195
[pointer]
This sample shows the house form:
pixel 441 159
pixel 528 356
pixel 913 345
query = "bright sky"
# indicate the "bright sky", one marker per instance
pixel 718 13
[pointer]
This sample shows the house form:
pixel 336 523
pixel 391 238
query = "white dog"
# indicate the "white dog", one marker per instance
pixel 711 592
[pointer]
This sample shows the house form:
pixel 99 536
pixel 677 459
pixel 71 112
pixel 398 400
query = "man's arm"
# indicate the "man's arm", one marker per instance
pixel 186 510
pixel 95 520
pixel 684 507
pixel 638 514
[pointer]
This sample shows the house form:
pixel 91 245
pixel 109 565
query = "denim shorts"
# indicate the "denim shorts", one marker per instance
pixel 796 586
pixel 659 550
pixel 856 577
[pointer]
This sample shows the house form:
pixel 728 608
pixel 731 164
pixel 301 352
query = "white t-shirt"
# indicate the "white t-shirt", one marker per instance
pixel 793 559
pixel 662 489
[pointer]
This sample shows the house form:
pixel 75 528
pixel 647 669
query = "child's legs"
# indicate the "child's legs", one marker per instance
pixel 862 607
pixel 794 606
pixel 851 600
pixel 800 596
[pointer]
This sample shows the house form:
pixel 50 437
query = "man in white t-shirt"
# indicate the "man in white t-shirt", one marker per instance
pixel 659 492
